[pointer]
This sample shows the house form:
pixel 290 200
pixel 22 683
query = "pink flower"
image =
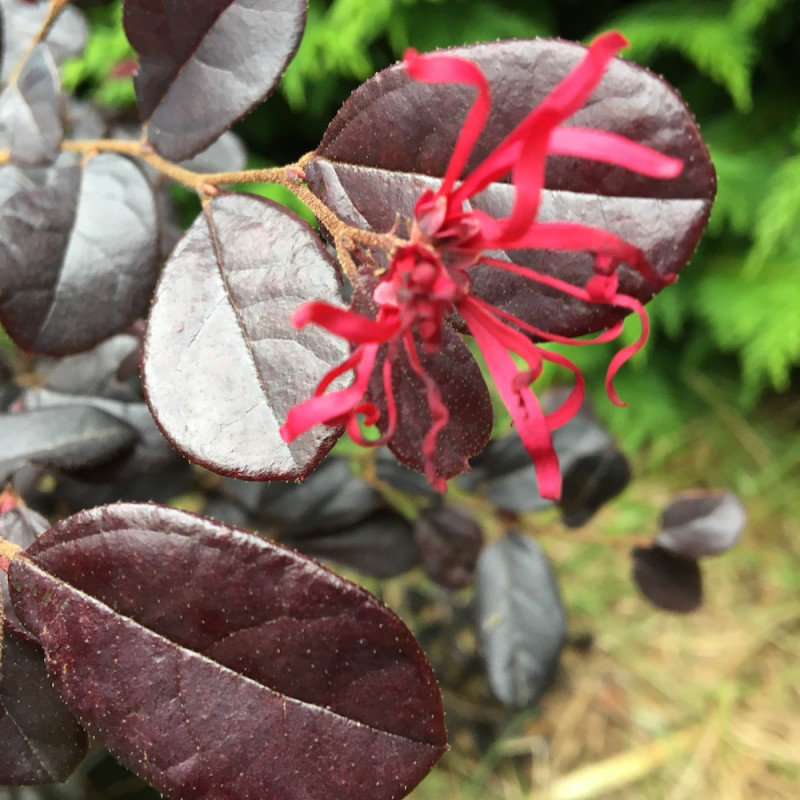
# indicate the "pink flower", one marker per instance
pixel 429 278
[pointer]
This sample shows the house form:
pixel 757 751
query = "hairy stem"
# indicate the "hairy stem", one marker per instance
pixel 8 551
pixel 291 177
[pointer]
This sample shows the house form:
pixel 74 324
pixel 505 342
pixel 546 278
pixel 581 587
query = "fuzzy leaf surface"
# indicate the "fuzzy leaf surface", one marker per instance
pixel 394 136
pixel 223 364
pixel 203 66
pixel 30 112
pixel 83 247
pixel 520 618
pixel 216 664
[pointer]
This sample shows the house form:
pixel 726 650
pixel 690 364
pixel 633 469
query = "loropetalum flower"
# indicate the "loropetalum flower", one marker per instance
pixel 428 279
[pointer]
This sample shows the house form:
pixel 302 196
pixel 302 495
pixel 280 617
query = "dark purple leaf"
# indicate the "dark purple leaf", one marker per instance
pixel 330 499
pixel 390 470
pixel 40 740
pixel 22 20
pixel 19 525
pixel 521 622
pixel 12 180
pixel 84 120
pixel 149 453
pixel 66 437
pixel 382 545
pixel 667 580
pixel 226 154
pixel 698 524
pixel 202 69
pixel 593 469
pixel 94 372
pixel 393 138
pixel 30 112
pixel 223 364
pixel 8 388
pixel 449 539
pixel 463 390
pixel 216 664
pixel 82 248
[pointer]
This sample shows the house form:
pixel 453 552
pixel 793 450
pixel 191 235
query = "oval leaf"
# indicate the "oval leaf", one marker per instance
pixel 521 621
pixel 84 246
pixel 22 21
pixel 701 524
pixel 667 580
pixel 40 740
pixel 30 112
pixel 199 72
pixel 223 364
pixel 65 437
pixel 449 539
pixel 216 664
pixel 394 137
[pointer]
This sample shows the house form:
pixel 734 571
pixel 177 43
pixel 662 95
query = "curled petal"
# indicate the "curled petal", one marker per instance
pixel 595 145
pixel 618 299
pixel 450 69
pixel 570 407
pixel 332 408
pixel 494 341
pixel 567 98
pixel 439 414
pixel 630 350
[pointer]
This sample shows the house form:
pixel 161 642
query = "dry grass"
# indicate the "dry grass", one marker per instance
pixel 662 706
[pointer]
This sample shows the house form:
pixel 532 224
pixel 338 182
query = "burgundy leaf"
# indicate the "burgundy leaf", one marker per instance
pixel 449 539
pixel 203 67
pixel 65 437
pixel 394 137
pixel 216 664
pixel 330 499
pixel 94 372
pixel 382 545
pixel 19 525
pixel 149 453
pixel 22 20
pixel 30 112
pixel 698 524
pixel 12 180
pixel 464 393
pixel 520 618
pixel 226 154
pixel 223 364
pixel 40 739
pixel 667 580
pixel 81 247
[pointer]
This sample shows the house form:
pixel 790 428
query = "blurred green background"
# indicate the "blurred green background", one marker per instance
pixel 662 707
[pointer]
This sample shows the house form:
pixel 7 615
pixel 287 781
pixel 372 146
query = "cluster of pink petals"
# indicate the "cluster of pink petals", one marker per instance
pixel 428 279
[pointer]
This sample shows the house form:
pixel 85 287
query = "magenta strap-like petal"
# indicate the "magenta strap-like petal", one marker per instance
pixel 439 414
pixel 450 69
pixel 351 326
pixel 493 339
pixel 332 408
pixel 617 299
pixel 559 105
pixel 612 148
